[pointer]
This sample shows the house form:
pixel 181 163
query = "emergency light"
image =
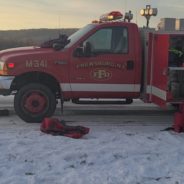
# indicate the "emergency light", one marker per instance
pixel 153 11
pixel 149 12
pixel 11 65
pixel 114 15
pixel 95 21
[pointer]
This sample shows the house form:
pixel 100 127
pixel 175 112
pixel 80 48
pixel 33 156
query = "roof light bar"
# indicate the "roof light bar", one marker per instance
pixel 114 15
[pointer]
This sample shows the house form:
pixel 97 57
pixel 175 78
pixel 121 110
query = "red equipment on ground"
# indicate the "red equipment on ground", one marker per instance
pixel 55 127
pixel 178 125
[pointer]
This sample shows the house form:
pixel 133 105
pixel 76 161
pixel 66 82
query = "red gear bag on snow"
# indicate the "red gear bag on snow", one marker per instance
pixel 179 119
pixel 55 127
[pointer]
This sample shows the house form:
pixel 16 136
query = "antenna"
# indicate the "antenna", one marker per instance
pixel 125 4
pixel 59 24
pixel 136 17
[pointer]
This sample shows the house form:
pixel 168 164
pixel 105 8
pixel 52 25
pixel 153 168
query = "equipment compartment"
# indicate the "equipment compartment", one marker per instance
pixel 176 82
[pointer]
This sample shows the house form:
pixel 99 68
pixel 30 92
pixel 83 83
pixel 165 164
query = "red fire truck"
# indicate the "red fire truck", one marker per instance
pixel 107 59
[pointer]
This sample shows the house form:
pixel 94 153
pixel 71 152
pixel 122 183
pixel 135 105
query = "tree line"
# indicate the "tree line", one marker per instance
pixel 29 37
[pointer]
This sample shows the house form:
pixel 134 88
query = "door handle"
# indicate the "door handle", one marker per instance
pixel 130 65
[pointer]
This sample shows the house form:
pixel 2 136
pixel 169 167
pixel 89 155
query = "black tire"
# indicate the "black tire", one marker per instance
pixel 34 102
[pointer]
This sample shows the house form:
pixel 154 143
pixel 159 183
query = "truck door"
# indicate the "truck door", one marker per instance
pixel 108 68
pixel 159 67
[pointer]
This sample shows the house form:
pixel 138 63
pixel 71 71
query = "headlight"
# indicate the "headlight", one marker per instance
pixel 3 68
pixel 1 65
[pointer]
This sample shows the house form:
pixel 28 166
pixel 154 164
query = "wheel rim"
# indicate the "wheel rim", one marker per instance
pixel 35 102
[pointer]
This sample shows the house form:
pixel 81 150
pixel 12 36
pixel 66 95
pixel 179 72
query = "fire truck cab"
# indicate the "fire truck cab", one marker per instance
pixel 104 60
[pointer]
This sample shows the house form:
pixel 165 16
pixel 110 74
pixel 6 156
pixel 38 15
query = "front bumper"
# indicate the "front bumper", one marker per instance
pixel 5 84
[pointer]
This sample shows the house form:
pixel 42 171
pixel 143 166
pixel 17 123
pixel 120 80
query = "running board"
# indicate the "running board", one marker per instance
pixel 85 102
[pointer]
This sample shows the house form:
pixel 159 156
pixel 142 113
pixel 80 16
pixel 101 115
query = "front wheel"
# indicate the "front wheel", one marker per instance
pixel 34 102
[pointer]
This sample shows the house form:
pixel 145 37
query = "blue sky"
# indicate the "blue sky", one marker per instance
pixel 24 14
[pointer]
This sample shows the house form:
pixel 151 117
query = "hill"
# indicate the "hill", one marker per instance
pixel 18 38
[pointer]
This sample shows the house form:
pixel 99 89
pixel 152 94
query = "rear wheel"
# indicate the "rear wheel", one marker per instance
pixel 34 102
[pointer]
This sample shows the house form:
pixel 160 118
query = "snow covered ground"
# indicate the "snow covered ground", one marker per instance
pixel 124 146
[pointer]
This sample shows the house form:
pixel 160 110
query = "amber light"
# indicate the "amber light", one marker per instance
pixel 4 71
pixel 95 21
pixel 11 65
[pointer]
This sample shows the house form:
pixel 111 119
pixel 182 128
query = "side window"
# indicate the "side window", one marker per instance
pixel 101 40
pixel 120 40
pixel 113 40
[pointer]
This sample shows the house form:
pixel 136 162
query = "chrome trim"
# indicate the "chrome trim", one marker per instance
pixel 5 82
pixel 86 87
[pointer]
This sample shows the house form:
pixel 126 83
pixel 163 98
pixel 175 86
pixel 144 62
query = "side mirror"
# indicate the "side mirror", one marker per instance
pixel 78 52
pixel 57 46
pixel 87 49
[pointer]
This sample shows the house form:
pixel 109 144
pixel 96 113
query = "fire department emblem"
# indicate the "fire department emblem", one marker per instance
pixel 101 74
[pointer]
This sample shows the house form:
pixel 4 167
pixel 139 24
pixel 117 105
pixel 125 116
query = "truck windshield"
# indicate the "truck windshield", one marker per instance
pixel 78 35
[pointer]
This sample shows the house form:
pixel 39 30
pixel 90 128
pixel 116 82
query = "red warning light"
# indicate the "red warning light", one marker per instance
pixel 11 65
pixel 114 15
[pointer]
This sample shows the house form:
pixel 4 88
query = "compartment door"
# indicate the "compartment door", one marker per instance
pixel 159 67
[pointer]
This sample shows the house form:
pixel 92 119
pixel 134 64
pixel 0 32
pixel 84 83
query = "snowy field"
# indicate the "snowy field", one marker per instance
pixel 124 146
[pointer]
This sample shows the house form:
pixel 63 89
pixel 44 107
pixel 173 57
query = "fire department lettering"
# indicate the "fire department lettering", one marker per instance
pixel 36 63
pixel 101 74
pixel 108 64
